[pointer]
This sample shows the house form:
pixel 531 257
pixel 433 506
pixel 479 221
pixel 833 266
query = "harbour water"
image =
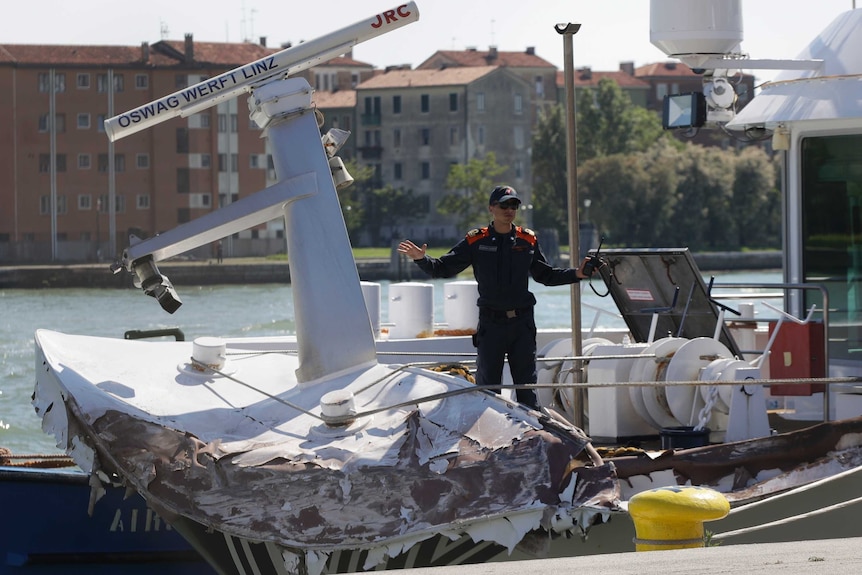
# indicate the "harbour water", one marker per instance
pixel 230 311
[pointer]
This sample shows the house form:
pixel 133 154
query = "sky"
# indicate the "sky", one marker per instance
pixel 612 31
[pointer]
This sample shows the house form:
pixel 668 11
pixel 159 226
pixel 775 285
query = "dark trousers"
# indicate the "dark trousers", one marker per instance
pixel 499 336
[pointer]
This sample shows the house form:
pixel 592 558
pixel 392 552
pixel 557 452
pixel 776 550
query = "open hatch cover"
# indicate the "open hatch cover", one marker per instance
pixel 643 281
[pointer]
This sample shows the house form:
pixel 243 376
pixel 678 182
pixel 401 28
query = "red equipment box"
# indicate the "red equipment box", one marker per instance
pixel 797 352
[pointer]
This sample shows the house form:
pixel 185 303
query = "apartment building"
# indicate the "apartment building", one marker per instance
pixel 68 194
pixel 414 124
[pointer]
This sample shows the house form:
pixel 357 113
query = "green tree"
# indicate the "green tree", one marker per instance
pixel 703 217
pixel 550 186
pixel 609 123
pixel 757 199
pixel 386 205
pixel 352 206
pixel 471 183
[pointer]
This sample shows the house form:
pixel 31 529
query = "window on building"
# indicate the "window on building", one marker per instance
pixel 519 104
pixel 119 83
pixel 85 202
pixel 540 87
pixel 100 123
pixel 61 162
pixel 222 123
pixel 325 81
pixel 346 123
pixel 84 161
pixel 234 162
pixel 222 162
pixel 45 205
pixel 83 121
pixel 204 120
pixel 424 103
pixel 397 171
pixel 206 160
pixel 480 102
pixel 142 202
pixel 119 162
pixel 372 138
pixel 82 81
pixel 142 161
pixel 103 163
pixel 119 204
pixel 101 82
pixel 425 169
pixel 660 90
pixel 453 102
pixel 354 79
pixel 45 122
pixel 183 181
pixel 181 81
pixel 234 123
pixel 480 135
pixel 396 138
pixel 44 81
pixel 142 81
pixel 396 104
pixel 518 137
pixel 425 137
pixel 44 163
pixel 182 140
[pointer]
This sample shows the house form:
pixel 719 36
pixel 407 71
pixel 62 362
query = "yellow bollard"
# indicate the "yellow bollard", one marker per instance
pixel 672 517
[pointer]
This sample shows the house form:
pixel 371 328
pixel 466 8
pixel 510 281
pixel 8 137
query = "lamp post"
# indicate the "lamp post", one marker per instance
pixel 567 31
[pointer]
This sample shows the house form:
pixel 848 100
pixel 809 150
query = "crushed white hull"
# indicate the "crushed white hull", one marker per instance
pixel 247 455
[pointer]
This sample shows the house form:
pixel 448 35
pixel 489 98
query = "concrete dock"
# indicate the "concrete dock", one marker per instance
pixel 827 556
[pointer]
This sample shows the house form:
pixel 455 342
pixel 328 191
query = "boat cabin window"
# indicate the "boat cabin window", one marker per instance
pixel 832 235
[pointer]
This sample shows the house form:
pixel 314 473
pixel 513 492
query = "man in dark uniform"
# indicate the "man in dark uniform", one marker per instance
pixel 503 256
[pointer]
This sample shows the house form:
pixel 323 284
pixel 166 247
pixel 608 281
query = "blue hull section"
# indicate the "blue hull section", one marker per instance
pixel 46 529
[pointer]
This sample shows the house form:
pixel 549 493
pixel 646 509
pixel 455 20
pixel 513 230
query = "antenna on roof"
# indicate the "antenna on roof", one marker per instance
pixel 163 30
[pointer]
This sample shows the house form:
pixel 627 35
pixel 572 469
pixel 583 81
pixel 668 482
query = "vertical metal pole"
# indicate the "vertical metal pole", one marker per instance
pixel 112 179
pixel 52 168
pixel 567 31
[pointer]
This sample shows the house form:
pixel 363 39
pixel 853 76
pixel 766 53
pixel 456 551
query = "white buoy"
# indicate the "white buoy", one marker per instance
pixel 411 310
pixel 459 304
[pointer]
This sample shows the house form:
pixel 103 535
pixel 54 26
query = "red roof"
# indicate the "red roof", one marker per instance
pixel 70 55
pixel 325 99
pixel 587 77
pixel 473 57
pixel 401 78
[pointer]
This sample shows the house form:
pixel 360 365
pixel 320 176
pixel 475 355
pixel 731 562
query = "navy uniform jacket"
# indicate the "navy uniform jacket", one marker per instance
pixel 502 265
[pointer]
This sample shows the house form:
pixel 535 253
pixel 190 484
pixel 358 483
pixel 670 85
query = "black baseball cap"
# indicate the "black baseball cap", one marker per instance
pixel 503 194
